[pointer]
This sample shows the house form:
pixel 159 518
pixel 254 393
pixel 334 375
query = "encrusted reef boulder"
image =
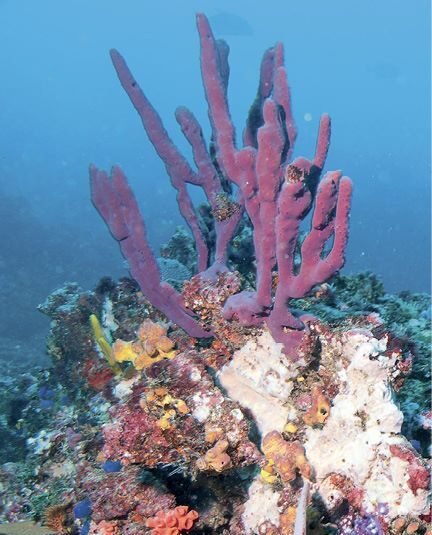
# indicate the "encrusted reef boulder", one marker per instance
pixel 362 437
pixel 336 424
pixel 232 435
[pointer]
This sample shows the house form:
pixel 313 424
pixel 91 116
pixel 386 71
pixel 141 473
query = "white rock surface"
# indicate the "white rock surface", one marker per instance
pixel 261 507
pixel 260 378
pixel 363 423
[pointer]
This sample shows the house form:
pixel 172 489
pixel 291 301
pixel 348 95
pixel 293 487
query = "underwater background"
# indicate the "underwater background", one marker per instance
pixel 366 63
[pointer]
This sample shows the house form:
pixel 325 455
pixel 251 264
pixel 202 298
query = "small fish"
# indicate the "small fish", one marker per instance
pixel 384 70
pixel 225 23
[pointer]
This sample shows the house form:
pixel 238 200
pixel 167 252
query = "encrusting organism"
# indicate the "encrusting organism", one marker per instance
pixel 180 520
pixel 152 345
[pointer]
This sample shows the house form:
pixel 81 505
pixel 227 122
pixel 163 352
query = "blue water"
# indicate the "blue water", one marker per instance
pixel 61 106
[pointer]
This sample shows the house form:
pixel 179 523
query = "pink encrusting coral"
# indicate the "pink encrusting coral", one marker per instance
pixel 122 495
pixel 418 471
pixel 276 193
pixel 138 433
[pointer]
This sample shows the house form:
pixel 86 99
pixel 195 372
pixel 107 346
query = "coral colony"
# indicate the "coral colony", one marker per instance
pixel 320 399
pixel 222 402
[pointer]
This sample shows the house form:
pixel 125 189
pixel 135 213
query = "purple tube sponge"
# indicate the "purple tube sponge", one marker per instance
pixel 118 207
pixel 276 193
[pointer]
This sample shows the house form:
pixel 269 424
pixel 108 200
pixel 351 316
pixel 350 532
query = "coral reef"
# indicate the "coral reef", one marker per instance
pixel 237 435
pixel 205 405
